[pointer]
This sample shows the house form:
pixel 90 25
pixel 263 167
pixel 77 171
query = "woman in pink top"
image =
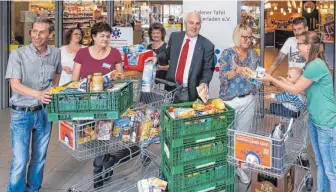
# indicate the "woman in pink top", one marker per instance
pixel 98 58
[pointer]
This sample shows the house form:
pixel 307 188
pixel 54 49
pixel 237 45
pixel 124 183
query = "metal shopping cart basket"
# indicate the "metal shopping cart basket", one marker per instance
pixel 253 140
pixel 86 139
pixel 126 175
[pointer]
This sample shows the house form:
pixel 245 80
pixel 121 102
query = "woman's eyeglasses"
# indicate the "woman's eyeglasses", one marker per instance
pixel 247 37
pixel 301 44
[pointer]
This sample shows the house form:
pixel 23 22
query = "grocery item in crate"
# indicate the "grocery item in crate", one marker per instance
pixel 86 134
pixel 198 108
pixel 148 76
pixel 104 131
pixel 152 184
pixel 146 127
pixel 135 56
pixel 125 134
pixel 119 124
pixel 116 86
pixel 67 134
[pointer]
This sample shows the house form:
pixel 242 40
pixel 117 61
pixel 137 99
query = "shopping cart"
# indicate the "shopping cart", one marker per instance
pixel 271 139
pixel 154 100
pixel 126 175
pixel 86 139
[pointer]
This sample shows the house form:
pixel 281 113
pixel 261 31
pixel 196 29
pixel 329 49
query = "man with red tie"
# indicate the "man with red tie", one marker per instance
pixel 191 59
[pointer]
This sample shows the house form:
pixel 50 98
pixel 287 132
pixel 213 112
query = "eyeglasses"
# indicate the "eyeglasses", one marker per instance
pixel 247 37
pixel 301 44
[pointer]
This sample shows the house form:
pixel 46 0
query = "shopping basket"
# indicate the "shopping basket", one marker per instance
pixel 257 145
pixel 126 175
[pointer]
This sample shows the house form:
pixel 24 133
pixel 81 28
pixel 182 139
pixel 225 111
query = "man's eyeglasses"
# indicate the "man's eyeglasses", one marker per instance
pixel 247 37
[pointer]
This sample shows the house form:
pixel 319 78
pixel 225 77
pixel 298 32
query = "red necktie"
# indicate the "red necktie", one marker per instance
pixel 182 62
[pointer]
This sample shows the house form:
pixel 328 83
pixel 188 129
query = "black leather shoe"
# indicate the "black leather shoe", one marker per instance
pixel 309 183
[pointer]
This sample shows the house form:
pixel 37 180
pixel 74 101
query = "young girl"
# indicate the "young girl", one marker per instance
pixel 317 83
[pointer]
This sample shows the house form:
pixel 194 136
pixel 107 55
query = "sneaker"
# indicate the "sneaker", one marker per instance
pixel 309 183
pixel 242 176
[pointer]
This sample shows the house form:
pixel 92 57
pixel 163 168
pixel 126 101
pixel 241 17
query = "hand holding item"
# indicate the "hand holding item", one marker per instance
pixel 203 91
pixel 67 69
pixel 266 78
pixel 117 76
pixel 44 96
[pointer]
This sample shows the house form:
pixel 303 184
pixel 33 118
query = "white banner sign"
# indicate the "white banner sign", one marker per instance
pixel 219 18
pixel 121 36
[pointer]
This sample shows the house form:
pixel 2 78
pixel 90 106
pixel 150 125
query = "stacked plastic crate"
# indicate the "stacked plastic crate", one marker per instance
pixel 194 151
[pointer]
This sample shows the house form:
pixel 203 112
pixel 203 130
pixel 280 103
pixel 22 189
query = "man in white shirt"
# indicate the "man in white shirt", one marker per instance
pixel 191 59
pixel 290 47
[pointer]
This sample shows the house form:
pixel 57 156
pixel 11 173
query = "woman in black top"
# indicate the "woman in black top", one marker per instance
pixel 157 35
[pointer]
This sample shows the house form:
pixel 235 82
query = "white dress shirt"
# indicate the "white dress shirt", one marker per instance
pixel 191 49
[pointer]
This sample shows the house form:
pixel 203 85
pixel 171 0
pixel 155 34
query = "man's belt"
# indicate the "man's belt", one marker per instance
pixel 29 109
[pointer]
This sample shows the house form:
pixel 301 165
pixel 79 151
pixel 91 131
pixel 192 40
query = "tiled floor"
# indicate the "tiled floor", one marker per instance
pixel 62 171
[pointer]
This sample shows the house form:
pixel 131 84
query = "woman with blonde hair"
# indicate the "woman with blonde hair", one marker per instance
pixel 236 87
pixel 316 82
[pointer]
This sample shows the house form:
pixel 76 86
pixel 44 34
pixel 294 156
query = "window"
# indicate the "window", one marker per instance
pixel 22 16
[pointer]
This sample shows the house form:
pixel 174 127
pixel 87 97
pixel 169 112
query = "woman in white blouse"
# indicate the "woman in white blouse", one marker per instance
pixel 73 42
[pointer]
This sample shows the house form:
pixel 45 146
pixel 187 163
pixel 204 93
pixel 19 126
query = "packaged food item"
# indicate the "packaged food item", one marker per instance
pixel 145 129
pixel 184 113
pixel 97 82
pixel 198 105
pixel 87 134
pixel 57 89
pixel 202 94
pixel 148 76
pixel 219 104
pixel 119 124
pixel 67 134
pixel 260 72
pixel 158 183
pixel 73 85
pixel 125 134
pixel 143 185
pixel 104 130
pixel 82 85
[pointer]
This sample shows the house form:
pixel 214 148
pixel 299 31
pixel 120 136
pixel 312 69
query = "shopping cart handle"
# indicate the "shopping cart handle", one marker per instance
pixel 169 83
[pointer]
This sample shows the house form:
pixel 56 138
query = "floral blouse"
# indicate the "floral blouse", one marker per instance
pixel 238 85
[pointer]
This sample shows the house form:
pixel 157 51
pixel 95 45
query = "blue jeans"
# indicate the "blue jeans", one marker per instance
pixel 23 125
pixel 323 141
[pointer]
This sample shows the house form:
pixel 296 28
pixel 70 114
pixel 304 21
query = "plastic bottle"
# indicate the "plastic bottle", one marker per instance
pixel 88 83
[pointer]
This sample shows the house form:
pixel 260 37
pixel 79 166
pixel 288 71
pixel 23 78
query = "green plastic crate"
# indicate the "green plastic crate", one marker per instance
pixel 194 139
pixel 181 154
pixel 223 185
pixel 177 128
pixel 91 106
pixel 183 179
pixel 206 163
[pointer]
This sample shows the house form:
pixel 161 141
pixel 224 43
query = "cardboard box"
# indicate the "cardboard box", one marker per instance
pixel 67 134
pixel 263 183
pixel 136 61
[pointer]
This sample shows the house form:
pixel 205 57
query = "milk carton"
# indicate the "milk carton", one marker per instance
pixel 148 76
